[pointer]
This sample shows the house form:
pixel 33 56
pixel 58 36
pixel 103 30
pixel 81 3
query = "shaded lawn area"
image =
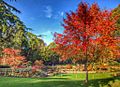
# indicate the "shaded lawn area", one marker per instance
pixel 64 80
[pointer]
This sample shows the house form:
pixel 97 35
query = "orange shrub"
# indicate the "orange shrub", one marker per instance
pixel 68 66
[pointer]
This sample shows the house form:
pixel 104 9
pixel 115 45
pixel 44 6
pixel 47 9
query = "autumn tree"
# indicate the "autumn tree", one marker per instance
pixel 86 30
pixel 12 57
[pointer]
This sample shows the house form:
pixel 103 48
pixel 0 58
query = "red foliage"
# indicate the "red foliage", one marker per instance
pixel 11 51
pixel 12 57
pixel 84 29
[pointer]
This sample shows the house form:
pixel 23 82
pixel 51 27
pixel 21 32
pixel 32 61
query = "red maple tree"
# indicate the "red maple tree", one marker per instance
pixel 12 57
pixel 85 30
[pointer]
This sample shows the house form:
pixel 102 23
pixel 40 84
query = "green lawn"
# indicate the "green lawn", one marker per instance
pixel 64 80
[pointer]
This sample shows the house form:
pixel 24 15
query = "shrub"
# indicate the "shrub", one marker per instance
pixel 12 57
pixel 69 66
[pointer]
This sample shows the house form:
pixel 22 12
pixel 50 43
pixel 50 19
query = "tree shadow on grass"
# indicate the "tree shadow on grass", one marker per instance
pixel 103 82
pixel 77 83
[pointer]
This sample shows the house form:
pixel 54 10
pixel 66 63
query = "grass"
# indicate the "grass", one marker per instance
pixel 63 80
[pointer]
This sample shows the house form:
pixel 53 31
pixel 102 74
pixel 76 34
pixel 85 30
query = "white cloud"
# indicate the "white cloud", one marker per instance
pixel 48 11
pixel 58 15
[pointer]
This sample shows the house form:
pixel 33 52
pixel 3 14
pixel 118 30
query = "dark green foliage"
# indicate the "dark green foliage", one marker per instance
pixel 12 29
pixel 48 55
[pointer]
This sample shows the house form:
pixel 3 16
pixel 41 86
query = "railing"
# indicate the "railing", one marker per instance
pixel 25 72
pixel 21 72
pixel 46 71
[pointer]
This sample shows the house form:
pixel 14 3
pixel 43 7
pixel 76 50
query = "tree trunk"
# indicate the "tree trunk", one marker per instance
pixel 86 70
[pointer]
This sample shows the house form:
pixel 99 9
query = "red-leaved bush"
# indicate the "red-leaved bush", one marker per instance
pixel 12 57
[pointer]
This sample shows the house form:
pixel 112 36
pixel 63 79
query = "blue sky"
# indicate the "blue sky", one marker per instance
pixel 45 16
